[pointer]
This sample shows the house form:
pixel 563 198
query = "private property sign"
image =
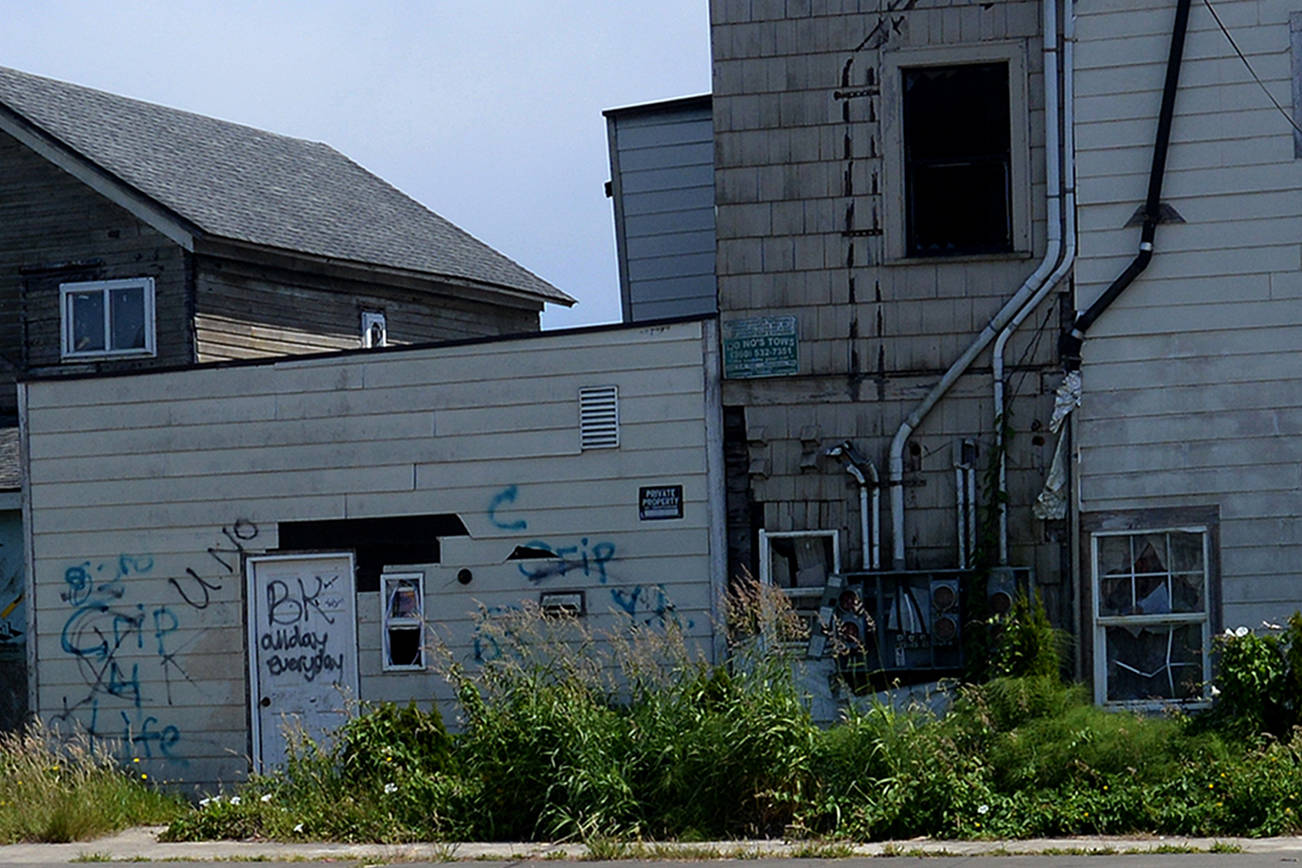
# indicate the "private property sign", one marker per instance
pixel 760 347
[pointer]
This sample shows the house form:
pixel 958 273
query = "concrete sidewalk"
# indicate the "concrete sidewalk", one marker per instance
pixel 141 844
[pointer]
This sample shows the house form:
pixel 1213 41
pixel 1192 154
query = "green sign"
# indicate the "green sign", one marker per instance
pixel 762 347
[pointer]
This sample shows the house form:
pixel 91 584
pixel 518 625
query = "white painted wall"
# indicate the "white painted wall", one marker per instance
pixel 1193 378
pixel 144 490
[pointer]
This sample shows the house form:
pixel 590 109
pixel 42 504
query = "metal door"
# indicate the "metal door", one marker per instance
pixel 302 648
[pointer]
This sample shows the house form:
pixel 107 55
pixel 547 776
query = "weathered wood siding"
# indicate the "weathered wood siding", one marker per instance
pixel 144 489
pixel 54 229
pixel 807 204
pixel 1193 378
pixel 662 181
pixel 249 311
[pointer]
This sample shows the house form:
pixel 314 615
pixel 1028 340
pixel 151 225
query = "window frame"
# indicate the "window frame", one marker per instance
pixel 105 288
pixel 1100 623
pixel 370 319
pixel 405 624
pixel 805 599
pixel 895 227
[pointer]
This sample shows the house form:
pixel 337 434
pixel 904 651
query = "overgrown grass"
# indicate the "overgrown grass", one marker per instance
pixel 633 738
pixel 71 791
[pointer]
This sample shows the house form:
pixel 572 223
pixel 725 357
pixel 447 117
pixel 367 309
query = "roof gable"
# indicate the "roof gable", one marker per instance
pixel 241 183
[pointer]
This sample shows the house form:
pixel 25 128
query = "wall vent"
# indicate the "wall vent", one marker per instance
pixel 599 417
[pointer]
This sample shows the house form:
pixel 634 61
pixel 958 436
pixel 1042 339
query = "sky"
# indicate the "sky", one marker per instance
pixel 487 112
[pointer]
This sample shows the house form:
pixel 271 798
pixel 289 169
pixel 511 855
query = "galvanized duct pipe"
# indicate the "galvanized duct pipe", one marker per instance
pixel 1005 314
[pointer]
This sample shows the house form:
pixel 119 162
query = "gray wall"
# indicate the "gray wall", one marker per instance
pixel 1193 395
pixel 662 183
pixel 145 489
pixel 808 195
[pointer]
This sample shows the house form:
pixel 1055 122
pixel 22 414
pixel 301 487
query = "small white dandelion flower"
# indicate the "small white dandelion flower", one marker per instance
pixel 298 828
pixel 266 797
pixel 983 809
pixel 1229 633
pixel 235 800
pixel 1240 631
pixel 390 788
pixel 1216 691
pixel 203 803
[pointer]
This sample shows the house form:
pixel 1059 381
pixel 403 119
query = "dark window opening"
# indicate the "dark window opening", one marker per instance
pixel 957 160
pixel 404 648
pixel 378 542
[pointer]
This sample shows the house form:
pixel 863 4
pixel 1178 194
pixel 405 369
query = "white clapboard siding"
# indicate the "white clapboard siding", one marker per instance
pixel 1193 378
pixel 147 490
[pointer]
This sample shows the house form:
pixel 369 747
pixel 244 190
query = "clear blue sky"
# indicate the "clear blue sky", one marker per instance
pixel 487 112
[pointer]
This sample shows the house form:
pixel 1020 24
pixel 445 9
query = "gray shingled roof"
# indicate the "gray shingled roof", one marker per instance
pixel 11 475
pixel 246 184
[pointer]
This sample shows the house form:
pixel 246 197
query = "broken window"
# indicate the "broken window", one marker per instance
pixel 958 170
pixel 799 563
pixel 1151 621
pixel 403 626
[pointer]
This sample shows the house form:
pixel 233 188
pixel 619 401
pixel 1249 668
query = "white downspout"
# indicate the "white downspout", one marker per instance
pixel 1010 308
pixel 1068 157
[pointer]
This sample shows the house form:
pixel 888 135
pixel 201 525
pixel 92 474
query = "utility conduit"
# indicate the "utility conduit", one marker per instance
pixel 1028 288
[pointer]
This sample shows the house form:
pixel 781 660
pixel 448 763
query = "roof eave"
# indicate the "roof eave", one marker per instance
pixel 248 251
pixel 95 176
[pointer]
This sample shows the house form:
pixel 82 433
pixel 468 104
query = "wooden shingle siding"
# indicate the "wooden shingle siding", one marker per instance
pixel 149 482
pixel 802 195
pixel 246 311
pixel 54 229
pixel 1192 391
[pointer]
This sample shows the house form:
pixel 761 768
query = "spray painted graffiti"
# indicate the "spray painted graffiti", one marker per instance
pixel 287 607
pixel 117 644
pixel 588 559
pixel 13 618
pixel 649 604
pixel 109 639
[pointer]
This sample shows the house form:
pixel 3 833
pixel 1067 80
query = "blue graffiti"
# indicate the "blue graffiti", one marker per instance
pixel 590 560
pixel 505 496
pixel 100 633
pixel 650 605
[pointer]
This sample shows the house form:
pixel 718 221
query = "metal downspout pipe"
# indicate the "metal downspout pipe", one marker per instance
pixel 1068 157
pixel 1010 308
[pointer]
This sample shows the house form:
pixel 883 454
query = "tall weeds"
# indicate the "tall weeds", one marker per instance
pixel 70 790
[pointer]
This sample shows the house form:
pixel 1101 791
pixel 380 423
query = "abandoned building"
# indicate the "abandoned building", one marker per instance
pixel 135 236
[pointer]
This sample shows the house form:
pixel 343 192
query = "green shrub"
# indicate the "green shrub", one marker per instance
pixel 1258 681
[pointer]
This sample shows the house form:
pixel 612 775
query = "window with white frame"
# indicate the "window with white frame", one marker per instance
pixel 375 330
pixel 403 621
pixel 798 562
pixel 102 318
pixel 1152 631
pixel 955 123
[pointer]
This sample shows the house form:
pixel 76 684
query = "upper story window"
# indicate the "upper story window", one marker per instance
pixel 955 130
pixel 375 331
pixel 101 318
pixel 957 160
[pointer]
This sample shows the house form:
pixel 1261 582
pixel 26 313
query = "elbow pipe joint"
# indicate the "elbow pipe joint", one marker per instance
pixel 861 468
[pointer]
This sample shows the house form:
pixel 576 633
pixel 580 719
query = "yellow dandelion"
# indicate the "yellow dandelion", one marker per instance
pixel 144 776
pixel 135 759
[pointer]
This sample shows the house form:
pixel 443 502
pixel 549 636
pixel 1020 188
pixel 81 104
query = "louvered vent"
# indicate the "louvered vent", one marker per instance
pixel 599 417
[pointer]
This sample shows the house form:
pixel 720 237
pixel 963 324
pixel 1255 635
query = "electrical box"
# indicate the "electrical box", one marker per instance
pixel 903 626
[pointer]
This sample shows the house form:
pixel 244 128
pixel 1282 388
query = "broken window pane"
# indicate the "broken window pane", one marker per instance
pixel 1114 555
pixel 1186 552
pixel 404 648
pixel 1154 662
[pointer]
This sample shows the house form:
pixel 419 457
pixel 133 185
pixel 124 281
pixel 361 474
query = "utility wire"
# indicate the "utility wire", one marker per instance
pixel 1253 72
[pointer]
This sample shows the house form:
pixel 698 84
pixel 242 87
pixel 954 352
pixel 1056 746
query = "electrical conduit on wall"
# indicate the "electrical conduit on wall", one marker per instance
pixel 1019 299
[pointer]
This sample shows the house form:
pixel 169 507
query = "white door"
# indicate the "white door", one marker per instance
pixel 303 647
